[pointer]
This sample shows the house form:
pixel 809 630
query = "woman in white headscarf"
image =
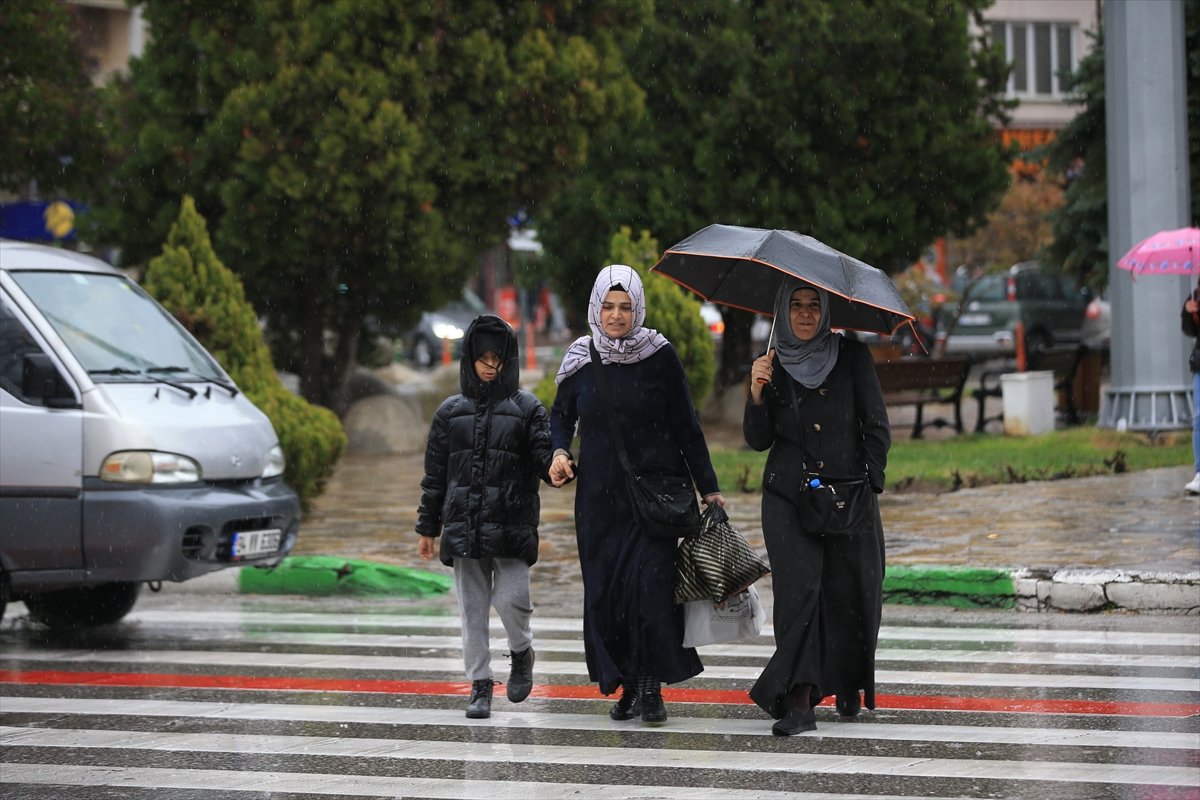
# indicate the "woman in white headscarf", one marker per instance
pixel 632 629
pixel 815 402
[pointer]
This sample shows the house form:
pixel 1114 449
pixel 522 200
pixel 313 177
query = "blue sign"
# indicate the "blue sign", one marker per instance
pixel 39 220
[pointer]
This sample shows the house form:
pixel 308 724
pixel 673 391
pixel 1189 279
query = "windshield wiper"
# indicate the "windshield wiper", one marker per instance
pixel 229 387
pixel 114 371
pixel 189 391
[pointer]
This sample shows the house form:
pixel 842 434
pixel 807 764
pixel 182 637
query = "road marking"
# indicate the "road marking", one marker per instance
pixel 904 633
pixel 516 717
pixel 580 692
pixel 339 784
pixel 741 650
pixel 572 756
pixel 545 667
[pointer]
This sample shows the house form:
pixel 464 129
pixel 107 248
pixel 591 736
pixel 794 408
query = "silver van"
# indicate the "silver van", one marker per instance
pixel 127 455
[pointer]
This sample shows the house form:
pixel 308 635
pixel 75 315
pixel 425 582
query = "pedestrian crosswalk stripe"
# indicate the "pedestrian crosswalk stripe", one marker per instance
pixel 215 780
pixel 518 717
pixel 743 650
pixel 893 633
pixel 566 755
pixel 548 668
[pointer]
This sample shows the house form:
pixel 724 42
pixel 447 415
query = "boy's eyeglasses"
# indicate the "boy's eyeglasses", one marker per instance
pixel 496 366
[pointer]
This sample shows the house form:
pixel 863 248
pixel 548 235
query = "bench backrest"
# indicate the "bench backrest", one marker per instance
pixel 921 373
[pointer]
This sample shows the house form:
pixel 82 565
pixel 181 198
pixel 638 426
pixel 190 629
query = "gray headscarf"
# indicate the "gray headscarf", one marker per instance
pixel 808 362
pixel 634 346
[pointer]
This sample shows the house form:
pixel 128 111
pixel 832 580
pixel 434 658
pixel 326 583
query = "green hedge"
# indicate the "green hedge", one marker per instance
pixel 208 299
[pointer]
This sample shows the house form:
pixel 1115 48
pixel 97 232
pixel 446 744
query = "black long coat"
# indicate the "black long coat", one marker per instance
pixel 486 450
pixel 828 589
pixel 631 625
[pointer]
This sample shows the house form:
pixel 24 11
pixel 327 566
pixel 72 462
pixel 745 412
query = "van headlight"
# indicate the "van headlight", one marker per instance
pixel 275 463
pixel 148 466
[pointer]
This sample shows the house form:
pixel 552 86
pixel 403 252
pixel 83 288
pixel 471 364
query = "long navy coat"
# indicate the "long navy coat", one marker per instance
pixel 631 625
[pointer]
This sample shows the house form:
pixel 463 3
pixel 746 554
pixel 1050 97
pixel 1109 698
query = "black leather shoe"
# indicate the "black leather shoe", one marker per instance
pixel 627 706
pixel 480 704
pixel 796 721
pixel 520 680
pixel 848 705
pixel 654 712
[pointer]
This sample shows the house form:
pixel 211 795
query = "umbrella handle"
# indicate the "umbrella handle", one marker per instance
pixel 770 339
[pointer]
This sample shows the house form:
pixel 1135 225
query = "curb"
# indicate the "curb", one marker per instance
pixel 1071 590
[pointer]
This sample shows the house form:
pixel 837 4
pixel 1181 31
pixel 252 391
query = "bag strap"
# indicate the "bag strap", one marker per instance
pixel 610 407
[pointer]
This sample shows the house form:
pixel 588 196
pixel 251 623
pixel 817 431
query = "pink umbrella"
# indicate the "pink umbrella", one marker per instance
pixel 1165 253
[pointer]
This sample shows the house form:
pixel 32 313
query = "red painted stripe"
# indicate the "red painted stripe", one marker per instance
pixel 587 692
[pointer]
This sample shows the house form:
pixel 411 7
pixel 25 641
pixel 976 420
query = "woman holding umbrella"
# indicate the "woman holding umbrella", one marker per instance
pixel 632 629
pixel 1189 318
pixel 815 402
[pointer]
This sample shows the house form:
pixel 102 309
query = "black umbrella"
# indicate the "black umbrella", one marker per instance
pixel 744 267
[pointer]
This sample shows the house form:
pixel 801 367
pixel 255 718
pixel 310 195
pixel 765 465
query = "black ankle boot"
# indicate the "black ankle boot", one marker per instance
pixel 801 716
pixel 520 680
pixel 627 706
pixel 480 704
pixel 848 704
pixel 654 711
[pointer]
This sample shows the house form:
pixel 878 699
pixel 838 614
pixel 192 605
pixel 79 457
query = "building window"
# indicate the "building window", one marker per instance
pixel 1042 54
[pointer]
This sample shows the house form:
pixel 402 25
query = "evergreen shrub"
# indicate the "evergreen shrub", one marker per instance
pixel 207 298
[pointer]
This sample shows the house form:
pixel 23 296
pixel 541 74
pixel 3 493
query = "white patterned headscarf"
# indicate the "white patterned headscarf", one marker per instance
pixel 634 346
pixel 808 362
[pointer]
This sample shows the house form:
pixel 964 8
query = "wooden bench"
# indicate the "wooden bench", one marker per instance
pixel 1063 362
pixel 916 381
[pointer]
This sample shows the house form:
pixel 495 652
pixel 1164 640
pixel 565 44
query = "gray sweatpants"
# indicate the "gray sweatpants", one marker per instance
pixel 484 583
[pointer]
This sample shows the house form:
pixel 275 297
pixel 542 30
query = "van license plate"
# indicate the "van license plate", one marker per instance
pixel 975 319
pixel 256 543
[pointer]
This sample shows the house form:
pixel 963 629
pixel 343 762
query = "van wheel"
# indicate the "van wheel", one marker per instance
pixel 84 606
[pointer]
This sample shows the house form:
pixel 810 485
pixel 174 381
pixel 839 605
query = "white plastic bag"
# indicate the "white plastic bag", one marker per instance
pixel 739 617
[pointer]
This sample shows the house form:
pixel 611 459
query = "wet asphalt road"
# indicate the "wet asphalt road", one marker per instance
pixel 288 697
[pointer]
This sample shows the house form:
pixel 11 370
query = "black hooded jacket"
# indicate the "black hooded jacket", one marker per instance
pixel 487 448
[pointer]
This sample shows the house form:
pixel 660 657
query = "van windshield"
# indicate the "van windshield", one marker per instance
pixel 114 329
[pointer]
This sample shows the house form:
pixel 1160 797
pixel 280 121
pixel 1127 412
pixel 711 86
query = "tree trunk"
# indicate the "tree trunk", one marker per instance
pixel 312 361
pixel 345 361
pixel 736 355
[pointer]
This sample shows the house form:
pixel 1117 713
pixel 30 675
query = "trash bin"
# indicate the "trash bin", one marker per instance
pixel 1028 399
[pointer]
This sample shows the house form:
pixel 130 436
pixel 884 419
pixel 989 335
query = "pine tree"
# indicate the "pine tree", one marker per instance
pixel 190 281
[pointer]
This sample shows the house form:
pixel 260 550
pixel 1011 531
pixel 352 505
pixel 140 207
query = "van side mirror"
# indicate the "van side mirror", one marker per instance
pixel 40 380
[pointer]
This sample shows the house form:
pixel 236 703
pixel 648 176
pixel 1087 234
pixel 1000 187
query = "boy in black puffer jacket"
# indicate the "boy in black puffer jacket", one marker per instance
pixel 487 448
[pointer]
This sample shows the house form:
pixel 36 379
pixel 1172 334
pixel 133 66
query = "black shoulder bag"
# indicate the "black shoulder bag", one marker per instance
pixel 664 502
pixel 830 505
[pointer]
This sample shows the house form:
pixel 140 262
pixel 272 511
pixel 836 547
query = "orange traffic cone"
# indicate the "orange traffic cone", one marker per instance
pixel 446 352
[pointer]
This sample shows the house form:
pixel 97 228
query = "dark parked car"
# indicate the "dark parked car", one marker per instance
pixel 440 329
pixel 1051 306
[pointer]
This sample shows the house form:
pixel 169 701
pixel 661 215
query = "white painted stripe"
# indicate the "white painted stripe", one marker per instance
pixel 739 650
pixel 554 755
pixel 547 668
pixel 376 786
pixel 517 717
pixel 215 618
